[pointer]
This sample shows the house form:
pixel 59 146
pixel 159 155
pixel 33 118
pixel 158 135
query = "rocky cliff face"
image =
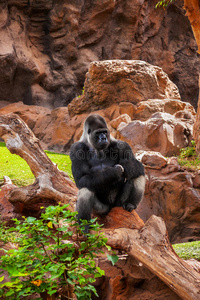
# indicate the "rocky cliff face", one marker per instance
pixel 46 46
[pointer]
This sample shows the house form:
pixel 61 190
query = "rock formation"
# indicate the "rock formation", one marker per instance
pixel 116 81
pixel 126 94
pixel 46 46
pixel 162 132
pixel 171 192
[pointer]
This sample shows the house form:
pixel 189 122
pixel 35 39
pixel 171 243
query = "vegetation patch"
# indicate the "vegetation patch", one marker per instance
pixel 188 158
pixel 51 256
pixel 188 250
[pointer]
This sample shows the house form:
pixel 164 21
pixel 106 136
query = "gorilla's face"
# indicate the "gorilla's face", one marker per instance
pixel 100 138
pixel 96 132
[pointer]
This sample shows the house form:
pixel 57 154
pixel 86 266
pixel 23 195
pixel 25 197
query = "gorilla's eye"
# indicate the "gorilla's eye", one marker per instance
pixel 89 130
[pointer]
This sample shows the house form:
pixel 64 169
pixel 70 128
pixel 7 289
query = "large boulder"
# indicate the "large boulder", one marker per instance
pixel 116 81
pixel 163 133
pixel 172 193
pixel 146 109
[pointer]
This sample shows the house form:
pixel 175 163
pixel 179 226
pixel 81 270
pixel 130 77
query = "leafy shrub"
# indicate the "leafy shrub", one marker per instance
pixel 188 151
pixel 52 256
pixel 188 157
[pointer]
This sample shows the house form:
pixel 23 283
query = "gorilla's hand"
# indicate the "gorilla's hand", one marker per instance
pixel 129 206
pixel 120 169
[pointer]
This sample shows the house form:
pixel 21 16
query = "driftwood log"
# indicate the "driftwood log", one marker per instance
pixel 148 242
pixel 51 185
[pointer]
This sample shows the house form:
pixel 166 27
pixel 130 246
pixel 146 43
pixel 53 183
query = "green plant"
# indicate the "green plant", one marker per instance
pixel 82 93
pixel 163 3
pixel 52 256
pixel 6 235
pixel 188 157
pixel 188 151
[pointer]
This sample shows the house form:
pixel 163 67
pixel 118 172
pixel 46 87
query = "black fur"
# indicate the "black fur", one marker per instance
pixel 105 171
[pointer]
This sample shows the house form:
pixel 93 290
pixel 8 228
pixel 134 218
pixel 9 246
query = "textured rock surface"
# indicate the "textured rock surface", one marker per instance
pixel 163 133
pixel 46 46
pixel 115 81
pixel 57 130
pixel 173 194
pixel 145 109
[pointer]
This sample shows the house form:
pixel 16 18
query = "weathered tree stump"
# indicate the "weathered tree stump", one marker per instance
pixel 147 242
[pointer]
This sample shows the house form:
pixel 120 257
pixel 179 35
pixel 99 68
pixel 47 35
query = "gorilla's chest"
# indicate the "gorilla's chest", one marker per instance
pixel 102 160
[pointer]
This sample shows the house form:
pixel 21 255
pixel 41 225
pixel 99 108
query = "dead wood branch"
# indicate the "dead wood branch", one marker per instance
pixel 150 245
pixel 50 184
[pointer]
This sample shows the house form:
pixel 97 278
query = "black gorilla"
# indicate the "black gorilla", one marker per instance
pixel 105 171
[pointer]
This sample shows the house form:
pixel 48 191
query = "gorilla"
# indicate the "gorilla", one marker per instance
pixel 105 171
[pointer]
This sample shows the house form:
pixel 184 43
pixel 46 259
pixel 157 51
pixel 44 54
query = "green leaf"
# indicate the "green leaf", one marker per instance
pixel 9 293
pixel 31 220
pixel 113 258
pixel 1 278
pixel 52 292
pixel 70 281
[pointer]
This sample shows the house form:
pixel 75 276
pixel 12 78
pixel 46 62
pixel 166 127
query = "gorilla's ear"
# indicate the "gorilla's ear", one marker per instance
pixel 89 130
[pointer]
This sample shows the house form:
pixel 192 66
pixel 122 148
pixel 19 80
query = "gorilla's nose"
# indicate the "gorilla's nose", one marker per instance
pixel 102 137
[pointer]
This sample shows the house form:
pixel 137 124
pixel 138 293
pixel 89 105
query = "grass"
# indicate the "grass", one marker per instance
pixel 188 158
pixel 18 170
pixel 192 163
pixel 188 250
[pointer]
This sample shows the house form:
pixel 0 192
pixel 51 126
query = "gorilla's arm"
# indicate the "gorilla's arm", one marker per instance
pixel 99 180
pixel 91 178
pixel 132 167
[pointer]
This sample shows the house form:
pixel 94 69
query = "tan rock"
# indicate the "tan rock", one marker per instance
pixel 162 133
pixel 145 109
pixel 127 108
pixel 31 114
pixel 196 180
pixel 153 159
pixel 123 118
pixel 51 44
pixel 173 194
pixel 116 81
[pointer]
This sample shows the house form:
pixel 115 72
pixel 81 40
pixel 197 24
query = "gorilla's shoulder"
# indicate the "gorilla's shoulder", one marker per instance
pixel 79 146
pixel 120 145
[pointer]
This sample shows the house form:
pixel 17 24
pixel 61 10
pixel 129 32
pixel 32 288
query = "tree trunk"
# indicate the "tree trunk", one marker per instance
pixel 51 185
pixel 148 242
pixel 196 128
pixel 193 13
pixel 192 8
pixel 150 245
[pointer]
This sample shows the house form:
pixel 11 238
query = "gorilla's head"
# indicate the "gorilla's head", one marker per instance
pixel 96 132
